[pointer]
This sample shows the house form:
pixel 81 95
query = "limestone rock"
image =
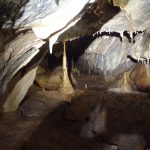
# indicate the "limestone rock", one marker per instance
pixel 136 79
pixel 47 17
pixel 41 104
pixel 19 91
pixel 49 80
pixel 130 18
pixel 16 54
pixel 47 20
pixel 40 70
pixel 80 111
pixel 140 75
pixel 93 19
pixel 100 56
pixel 96 124
pixel 121 84
pixel 35 107
pixel 129 141
pixel 120 3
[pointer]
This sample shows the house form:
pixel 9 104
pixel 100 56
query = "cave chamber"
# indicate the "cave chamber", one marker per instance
pixel 75 74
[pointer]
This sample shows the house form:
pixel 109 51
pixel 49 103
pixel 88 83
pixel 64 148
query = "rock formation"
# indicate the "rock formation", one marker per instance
pixel 107 43
pixel 120 30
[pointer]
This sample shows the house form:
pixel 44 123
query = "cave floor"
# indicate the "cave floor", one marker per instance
pixel 91 119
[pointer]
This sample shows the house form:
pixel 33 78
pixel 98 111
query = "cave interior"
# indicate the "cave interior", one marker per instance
pixel 75 74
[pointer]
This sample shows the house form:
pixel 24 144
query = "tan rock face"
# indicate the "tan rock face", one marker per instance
pixel 40 70
pixel 141 77
pixel 137 78
pixel 19 91
pixel 120 3
pixel 48 80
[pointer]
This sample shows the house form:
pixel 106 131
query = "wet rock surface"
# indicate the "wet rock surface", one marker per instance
pixel 95 119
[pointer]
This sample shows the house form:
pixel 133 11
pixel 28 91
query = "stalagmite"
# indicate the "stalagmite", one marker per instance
pixel 66 86
pixel 126 87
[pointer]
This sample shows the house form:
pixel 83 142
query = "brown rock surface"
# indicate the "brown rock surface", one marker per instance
pixel 135 79
pixel 49 80
pixel 106 121
pixel 42 103
pixel 140 75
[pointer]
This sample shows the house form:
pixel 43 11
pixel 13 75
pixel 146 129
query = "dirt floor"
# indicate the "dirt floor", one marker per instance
pixel 92 119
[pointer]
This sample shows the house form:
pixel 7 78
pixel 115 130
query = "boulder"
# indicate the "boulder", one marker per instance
pixel 49 80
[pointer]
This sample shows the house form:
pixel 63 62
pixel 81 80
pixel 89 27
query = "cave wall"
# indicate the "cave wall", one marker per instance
pixel 125 33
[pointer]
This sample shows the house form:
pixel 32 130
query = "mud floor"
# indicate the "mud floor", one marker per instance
pixel 92 119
